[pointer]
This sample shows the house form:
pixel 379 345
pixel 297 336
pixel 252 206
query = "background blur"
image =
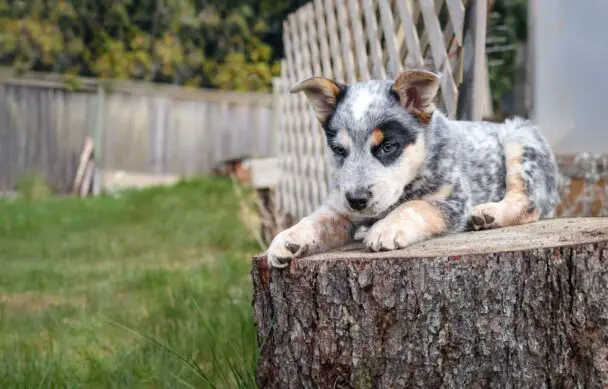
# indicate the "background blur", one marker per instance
pixel 148 149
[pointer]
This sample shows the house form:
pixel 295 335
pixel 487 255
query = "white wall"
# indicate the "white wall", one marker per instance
pixel 571 73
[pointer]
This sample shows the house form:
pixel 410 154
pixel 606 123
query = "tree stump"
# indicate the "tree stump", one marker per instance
pixel 518 307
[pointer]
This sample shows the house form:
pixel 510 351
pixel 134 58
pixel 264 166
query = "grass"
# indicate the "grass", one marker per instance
pixel 146 290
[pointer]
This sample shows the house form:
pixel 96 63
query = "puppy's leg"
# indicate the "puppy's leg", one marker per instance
pixel 530 191
pixel 323 230
pixel 418 220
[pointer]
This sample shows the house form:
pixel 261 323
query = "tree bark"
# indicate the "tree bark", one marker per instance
pixel 518 307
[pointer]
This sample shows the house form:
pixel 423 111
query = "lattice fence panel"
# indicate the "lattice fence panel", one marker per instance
pixel 348 41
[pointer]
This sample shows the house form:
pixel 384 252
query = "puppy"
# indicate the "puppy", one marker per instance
pixel 404 171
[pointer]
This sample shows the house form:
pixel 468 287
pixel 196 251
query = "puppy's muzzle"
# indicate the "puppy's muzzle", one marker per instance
pixel 358 199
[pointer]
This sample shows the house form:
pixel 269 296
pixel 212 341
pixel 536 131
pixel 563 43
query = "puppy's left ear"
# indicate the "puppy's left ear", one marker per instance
pixel 417 90
pixel 322 95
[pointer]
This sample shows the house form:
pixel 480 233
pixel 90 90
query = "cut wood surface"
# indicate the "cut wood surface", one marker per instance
pixel 518 307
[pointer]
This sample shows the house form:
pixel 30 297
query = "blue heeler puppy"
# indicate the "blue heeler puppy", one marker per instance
pixel 406 172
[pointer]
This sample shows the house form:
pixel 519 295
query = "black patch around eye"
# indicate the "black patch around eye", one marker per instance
pixel 396 138
pixel 338 150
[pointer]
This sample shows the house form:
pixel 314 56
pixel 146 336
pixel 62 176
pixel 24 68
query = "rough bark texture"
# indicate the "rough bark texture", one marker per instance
pixel 520 307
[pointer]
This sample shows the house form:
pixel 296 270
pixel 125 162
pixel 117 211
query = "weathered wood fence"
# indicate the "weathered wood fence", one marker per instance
pixel 137 127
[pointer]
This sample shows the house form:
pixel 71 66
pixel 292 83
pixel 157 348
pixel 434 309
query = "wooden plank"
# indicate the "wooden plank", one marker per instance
pixel 156 135
pixel 85 156
pixel 276 111
pixel 60 112
pixel 203 143
pixel 292 113
pixel 87 179
pixel 424 37
pixel 137 88
pixel 414 56
pixel 448 89
pixel 323 38
pixel 310 143
pixel 314 44
pixel 334 41
pixel 480 27
pixel 361 53
pixel 394 64
pixel 456 10
pixel 304 35
pixel 345 42
pixel 302 115
pixel 371 29
pixel 470 106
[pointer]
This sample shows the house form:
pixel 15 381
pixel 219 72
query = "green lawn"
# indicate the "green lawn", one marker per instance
pixel 87 286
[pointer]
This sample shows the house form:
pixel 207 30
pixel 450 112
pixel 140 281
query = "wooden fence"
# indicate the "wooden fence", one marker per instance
pixel 351 40
pixel 137 127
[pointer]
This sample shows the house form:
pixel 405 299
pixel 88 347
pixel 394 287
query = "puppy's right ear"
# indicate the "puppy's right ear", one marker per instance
pixel 322 95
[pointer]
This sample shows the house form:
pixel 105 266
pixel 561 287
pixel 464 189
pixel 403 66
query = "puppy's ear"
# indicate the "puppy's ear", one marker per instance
pixel 322 95
pixel 417 90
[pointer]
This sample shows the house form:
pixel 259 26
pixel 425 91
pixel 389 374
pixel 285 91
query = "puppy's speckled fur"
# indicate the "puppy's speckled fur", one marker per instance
pixel 403 172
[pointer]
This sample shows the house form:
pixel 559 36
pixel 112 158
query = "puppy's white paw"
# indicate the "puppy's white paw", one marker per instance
pixel 391 234
pixel 290 244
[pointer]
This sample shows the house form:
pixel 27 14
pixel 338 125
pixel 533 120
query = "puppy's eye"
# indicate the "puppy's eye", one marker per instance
pixel 339 151
pixel 388 147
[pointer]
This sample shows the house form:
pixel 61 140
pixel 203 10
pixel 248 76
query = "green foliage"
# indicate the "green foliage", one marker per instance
pixel 508 22
pixel 216 43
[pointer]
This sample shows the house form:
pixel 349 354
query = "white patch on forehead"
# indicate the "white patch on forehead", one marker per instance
pixel 361 101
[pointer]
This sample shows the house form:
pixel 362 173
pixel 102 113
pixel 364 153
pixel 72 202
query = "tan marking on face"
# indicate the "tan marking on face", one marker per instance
pixel 441 194
pixel 377 137
pixel 415 154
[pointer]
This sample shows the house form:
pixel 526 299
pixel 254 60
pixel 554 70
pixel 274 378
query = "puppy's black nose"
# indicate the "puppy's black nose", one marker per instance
pixel 358 199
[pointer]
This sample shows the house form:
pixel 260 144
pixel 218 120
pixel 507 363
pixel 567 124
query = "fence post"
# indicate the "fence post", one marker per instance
pixel 276 111
pixel 98 137
pixel 470 101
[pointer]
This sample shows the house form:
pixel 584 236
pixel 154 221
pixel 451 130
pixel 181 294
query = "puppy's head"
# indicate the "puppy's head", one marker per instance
pixel 375 131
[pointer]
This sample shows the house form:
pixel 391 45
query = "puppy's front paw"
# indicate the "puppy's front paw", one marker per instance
pixel 391 234
pixel 290 244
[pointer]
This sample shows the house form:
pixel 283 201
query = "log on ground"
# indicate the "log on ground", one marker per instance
pixel 518 307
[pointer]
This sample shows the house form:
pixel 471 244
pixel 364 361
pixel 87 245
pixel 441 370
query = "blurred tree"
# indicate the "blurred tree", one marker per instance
pixel 226 44
pixel 507 26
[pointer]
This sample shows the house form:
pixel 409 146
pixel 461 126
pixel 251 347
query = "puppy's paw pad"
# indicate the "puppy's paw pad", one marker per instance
pixel 292 247
pixel 485 216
